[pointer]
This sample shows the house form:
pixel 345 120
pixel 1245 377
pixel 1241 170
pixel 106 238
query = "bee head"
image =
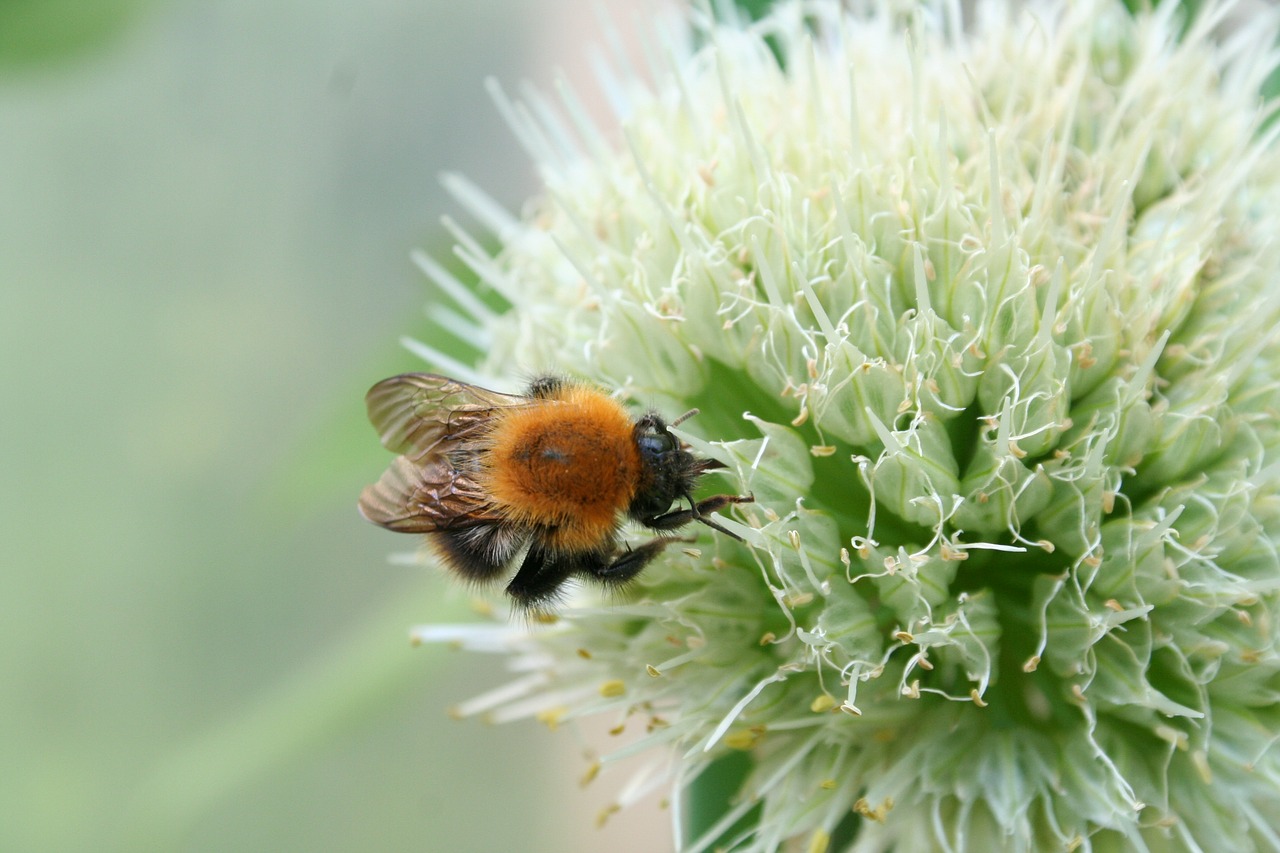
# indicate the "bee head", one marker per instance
pixel 670 471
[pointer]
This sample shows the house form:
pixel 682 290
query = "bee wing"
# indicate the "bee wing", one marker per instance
pixel 411 497
pixel 414 412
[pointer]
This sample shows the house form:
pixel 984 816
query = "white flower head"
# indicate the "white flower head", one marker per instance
pixel 984 313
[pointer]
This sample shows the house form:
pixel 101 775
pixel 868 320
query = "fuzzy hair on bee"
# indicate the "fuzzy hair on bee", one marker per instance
pixel 550 474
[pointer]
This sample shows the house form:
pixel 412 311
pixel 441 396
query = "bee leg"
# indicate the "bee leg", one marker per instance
pixel 615 572
pixel 539 578
pixel 698 512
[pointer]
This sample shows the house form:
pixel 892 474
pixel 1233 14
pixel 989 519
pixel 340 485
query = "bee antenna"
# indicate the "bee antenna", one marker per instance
pixel 683 418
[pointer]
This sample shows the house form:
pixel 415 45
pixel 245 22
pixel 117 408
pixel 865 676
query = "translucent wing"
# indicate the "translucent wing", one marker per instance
pixel 414 412
pixel 411 497
pixel 433 421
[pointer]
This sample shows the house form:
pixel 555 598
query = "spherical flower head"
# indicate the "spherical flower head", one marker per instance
pixel 984 313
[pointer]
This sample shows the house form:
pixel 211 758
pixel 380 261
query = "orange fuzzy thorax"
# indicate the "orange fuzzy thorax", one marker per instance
pixel 569 463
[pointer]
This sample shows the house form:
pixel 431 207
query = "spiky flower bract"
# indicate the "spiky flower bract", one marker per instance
pixel 984 314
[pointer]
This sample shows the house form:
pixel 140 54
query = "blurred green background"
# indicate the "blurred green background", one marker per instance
pixel 206 215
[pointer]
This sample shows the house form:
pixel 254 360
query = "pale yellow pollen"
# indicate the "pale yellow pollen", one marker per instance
pixel 877 814
pixel 744 739
pixel 1200 761
pixel 551 717
pixel 822 703
pixel 602 816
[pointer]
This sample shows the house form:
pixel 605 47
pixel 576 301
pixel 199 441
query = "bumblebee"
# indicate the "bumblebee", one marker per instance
pixel 550 473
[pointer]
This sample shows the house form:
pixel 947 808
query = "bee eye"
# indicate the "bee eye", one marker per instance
pixel 657 443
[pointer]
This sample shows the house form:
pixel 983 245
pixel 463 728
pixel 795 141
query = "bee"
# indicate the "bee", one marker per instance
pixel 549 474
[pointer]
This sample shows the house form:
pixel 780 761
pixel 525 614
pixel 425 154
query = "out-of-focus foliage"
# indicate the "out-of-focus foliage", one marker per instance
pixel 41 32
pixel 207 219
